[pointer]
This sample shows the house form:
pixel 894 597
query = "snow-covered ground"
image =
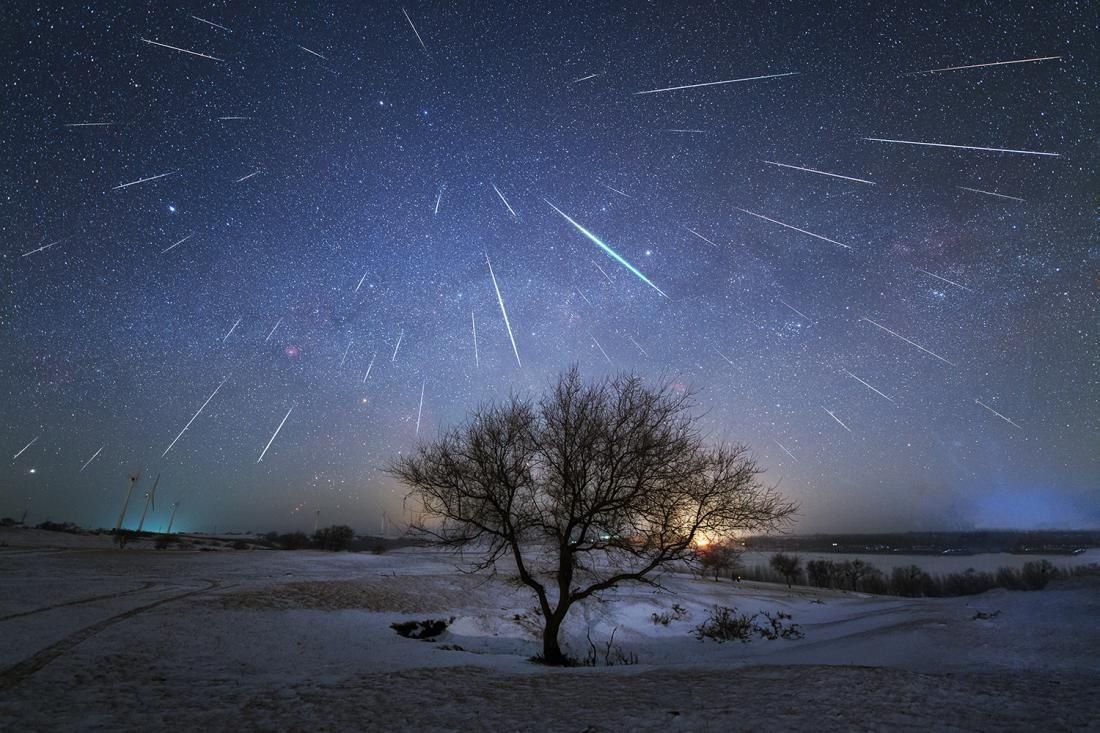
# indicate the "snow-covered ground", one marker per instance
pixel 92 637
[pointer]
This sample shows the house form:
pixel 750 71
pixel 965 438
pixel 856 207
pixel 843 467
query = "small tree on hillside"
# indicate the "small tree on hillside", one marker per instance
pixel 592 486
pixel 718 558
pixel 789 566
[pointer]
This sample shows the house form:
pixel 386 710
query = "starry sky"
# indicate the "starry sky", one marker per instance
pixel 240 218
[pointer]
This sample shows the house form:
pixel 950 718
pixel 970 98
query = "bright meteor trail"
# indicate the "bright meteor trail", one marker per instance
pixel 204 404
pixel 962 147
pixel 911 343
pixel 274 434
pixel 803 231
pixel 982 66
pixel 820 173
pixel 503 311
pixel 612 253
pixel 715 83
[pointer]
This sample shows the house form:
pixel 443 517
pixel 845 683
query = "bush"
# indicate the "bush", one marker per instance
pixel 664 619
pixel 1037 573
pixel 336 538
pixel 425 630
pixel 725 624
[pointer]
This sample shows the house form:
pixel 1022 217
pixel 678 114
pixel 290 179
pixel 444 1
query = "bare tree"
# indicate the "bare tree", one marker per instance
pixel 789 566
pixel 591 486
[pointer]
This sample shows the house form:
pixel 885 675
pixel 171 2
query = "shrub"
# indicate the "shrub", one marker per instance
pixel 336 538
pixel 665 618
pixel 426 630
pixel 725 624
pixel 1037 573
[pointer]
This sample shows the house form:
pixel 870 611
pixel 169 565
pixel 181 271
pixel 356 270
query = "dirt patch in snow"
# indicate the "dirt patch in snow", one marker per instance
pixel 422 594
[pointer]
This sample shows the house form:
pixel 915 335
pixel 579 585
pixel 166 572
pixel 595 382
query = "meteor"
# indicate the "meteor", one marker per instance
pixel 836 418
pixel 346 350
pixel 609 188
pixel 473 325
pixel 716 351
pixel 28 445
pixel 245 178
pixel 142 180
pixel 880 394
pixel 437 200
pixel 208 22
pixel 685 131
pixel 715 83
pixel 231 330
pixel 92 458
pixel 997 414
pixel 820 173
pixel 785 450
pixel 603 272
pixel 911 343
pixel 420 410
pixel 503 311
pixel 584 297
pixel 961 147
pixel 178 243
pixel 89 124
pixel 234 118
pixel 602 351
pixel 794 309
pixel 369 367
pixel 43 248
pixel 949 282
pixel 982 66
pixel 614 255
pixel 273 330
pixel 204 404
pixel 361 280
pixel 638 346
pixel 713 244
pixel 398 346
pixel 803 231
pixel 313 52
pixel 510 209
pixel 585 78
pixel 415 31
pixel 991 193
pixel 274 434
pixel 181 50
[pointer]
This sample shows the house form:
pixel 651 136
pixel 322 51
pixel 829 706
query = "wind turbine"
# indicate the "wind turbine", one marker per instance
pixel 122 515
pixel 149 499
pixel 172 516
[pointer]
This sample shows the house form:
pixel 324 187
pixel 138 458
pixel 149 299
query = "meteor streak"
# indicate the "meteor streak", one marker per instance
pixel 794 309
pixel 785 450
pixel 991 193
pixel 715 83
pixel 836 418
pixel 949 282
pixel 716 351
pixel 415 31
pixel 473 325
pixel 685 131
pixel 997 414
pixel 273 330
pixel 313 52
pixel 181 50
pixel 178 243
pixel 398 346
pixel 602 351
pixel 204 404
pixel 982 66
pixel 961 147
pixel 245 178
pixel 880 394
pixel 713 244
pixel 369 367
pixel 609 188
pixel 274 434
pixel 28 445
pixel 43 248
pixel 361 280
pixel 584 297
pixel 142 180
pixel 208 22
pixel 89 124
pixel 420 410
pixel 586 78
pixel 437 200
pixel 803 231
pixel 234 118
pixel 503 311
pixel 614 255
pixel 911 343
pixel 820 173
pixel 602 272
pixel 346 349
pixel 638 346
pixel 92 458
pixel 510 209
pixel 231 330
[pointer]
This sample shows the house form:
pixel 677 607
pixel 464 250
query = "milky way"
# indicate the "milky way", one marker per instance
pixel 224 212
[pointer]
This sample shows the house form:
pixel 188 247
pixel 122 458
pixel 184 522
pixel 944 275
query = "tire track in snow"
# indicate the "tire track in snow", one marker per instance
pixel 145 586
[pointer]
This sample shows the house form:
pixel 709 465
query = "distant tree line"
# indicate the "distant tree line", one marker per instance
pixel 335 538
pixel 909 581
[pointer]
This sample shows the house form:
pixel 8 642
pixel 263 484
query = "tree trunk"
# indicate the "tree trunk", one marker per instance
pixel 551 650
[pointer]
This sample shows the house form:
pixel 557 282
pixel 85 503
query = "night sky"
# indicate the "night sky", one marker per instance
pixel 323 187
